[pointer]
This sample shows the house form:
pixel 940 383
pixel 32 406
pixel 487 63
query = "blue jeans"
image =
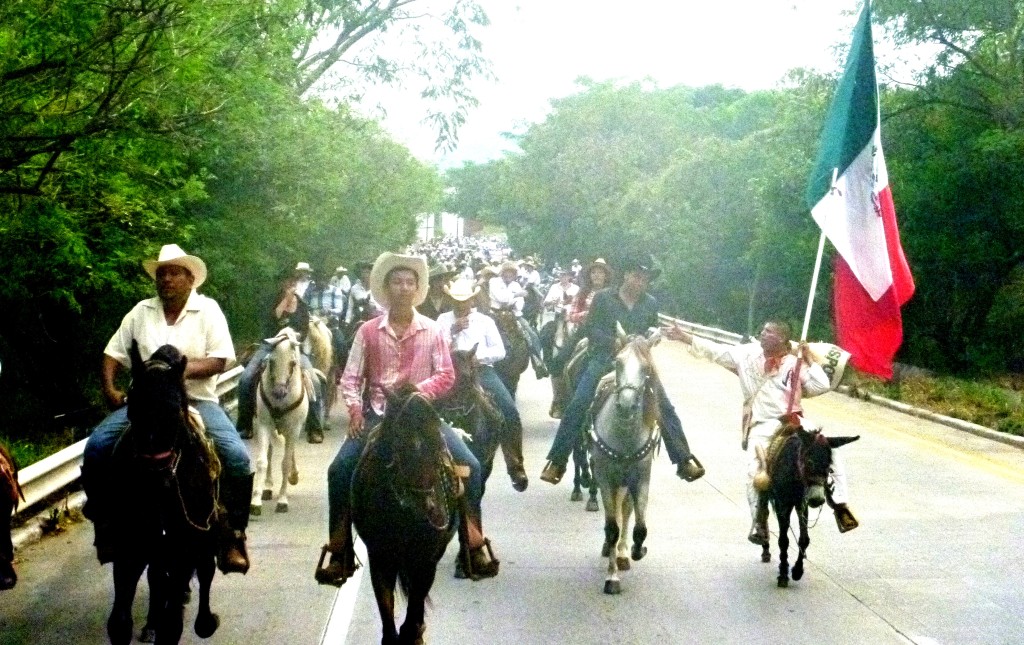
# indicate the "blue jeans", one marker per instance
pixel 99 449
pixel 247 383
pixel 511 436
pixel 339 473
pixel 570 428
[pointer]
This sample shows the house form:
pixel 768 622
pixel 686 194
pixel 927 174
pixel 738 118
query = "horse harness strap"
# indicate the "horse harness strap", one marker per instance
pixel 640 453
pixel 278 413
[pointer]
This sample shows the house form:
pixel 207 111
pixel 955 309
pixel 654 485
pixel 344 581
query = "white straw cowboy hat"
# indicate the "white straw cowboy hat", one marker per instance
pixel 303 266
pixel 386 262
pixel 341 269
pixel 462 289
pixel 172 254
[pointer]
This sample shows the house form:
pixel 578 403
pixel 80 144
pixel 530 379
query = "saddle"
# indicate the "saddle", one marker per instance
pixel 767 458
pixel 452 474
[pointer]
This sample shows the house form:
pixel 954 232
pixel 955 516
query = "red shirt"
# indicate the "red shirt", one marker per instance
pixel 383 361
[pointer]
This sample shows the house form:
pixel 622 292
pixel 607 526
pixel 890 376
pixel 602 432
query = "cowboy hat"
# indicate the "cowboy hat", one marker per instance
pixel 387 262
pixel 462 289
pixel 303 266
pixel 440 270
pixel 642 263
pixel 508 265
pixel 599 263
pixel 172 254
pixel 529 260
pixel 341 269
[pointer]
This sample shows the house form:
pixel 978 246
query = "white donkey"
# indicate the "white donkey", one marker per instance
pixel 282 403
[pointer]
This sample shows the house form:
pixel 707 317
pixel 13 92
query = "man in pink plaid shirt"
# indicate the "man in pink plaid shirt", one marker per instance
pixel 402 346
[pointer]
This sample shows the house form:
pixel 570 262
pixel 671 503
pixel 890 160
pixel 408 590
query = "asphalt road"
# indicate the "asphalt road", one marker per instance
pixel 936 559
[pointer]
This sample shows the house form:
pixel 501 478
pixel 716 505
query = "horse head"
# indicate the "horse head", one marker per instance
pixel 282 368
pixel 411 435
pixel 466 366
pixel 814 461
pixel 157 403
pixel 634 368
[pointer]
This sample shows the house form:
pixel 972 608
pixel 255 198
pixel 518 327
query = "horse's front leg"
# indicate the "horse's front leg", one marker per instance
pixel 156 576
pixel 262 454
pixel 207 622
pixel 622 517
pixel 782 513
pixel 803 541
pixel 179 573
pixel 592 500
pixel 610 497
pixel 640 497
pixel 384 579
pixel 421 579
pixel 289 471
pixel 127 572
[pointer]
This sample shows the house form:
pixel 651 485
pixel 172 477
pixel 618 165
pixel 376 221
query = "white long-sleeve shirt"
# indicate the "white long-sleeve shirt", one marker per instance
pixel 482 332
pixel 768 393
pixel 559 295
pixel 504 294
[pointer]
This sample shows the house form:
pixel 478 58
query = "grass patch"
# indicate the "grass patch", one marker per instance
pixel 27 452
pixel 994 404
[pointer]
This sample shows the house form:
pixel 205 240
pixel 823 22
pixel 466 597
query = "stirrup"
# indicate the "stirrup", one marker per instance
pixel 465 567
pixel 845 519
pixel 331 575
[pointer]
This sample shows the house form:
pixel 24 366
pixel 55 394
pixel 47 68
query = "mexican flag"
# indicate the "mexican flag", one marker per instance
pixel 872 280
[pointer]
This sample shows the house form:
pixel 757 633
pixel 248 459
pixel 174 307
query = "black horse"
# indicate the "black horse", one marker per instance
pixel 168 501
pixel 404 507
pixel 468 407
pixel 798 463
pixel 10 492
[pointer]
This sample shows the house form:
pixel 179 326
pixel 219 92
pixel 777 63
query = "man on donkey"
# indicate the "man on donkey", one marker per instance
pixel 766 370
pixel 196 326
pixel 399 347
pixel 464 328
pixel 637 312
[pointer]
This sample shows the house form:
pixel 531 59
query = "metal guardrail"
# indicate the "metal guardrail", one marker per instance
pixel 58 471
pixel 711 333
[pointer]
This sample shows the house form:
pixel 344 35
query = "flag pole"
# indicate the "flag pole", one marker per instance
pixel 817 265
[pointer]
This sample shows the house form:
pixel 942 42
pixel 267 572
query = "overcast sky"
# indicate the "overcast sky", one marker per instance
pixel 539 47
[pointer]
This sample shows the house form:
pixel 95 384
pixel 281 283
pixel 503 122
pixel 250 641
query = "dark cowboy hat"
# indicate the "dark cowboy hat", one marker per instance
pixel 641 263
pixel 441 270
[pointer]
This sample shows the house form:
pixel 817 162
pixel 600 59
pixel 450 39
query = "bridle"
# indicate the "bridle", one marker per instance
pixel 278 413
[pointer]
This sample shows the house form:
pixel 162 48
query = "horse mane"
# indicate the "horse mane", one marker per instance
pixel 652 406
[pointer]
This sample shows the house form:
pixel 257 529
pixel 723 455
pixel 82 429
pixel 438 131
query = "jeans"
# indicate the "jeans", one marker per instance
pixel 247 383
pixel 570 428
pixel 99 449
pixel 339 473
pixel 511 436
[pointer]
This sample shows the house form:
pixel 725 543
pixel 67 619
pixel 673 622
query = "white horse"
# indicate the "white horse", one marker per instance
pixel 624 437
pixel 282 403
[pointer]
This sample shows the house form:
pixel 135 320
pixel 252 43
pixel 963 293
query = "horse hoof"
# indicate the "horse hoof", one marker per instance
pixel 622 564
pixel 281 508
pixel 766 557
pixel 293 479
pixel 119 630
pixel 783 582
pixel 267 495
pixel 606 550
pixel 612 587
pixel 638 552
pixel 577 495
pixel 592 505
pixel 798 572
pixel 147 635
pixel 206 626
pixel 255 511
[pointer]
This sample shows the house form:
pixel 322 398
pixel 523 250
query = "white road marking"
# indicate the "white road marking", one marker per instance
pixel 336 630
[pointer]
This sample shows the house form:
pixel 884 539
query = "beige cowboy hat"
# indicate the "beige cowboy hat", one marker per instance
pixel 462 289
pixel 172 254
pixel 341 269
pixel 508 265
pixel 599 263
pixel 386 262
pixel 303 266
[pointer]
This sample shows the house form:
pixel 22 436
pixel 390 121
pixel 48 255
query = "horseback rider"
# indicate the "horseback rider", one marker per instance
pixel 290 311
pixel 636 311
pixel 506 293
pixel 765 369
pixel 561 293
pixel 464 327
pixel 335 296
pixel 304 286
pixel 360 291
pixel 398 347
pixel 597 276
pixel 437 301
pixel 196 326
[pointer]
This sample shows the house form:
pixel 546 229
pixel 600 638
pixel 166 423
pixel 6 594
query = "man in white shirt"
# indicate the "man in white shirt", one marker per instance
pixel 195 325
pixel 766 369
pixel 561 293
pixel 507 293
pixel 528 272
pixel 466 328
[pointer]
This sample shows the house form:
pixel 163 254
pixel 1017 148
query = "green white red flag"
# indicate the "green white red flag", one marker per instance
pixel 872 279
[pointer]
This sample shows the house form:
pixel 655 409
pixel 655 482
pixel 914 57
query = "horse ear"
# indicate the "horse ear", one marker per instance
pixel 835 442
pixel 136 358
pixel 620 333
pixel 472 350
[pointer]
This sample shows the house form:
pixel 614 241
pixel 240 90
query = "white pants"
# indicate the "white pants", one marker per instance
pixel 761 435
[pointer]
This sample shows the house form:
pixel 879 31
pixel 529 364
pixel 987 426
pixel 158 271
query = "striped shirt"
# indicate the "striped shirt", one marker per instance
pixel 383 361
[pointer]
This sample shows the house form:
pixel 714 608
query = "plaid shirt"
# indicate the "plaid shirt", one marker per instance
pixel 383 361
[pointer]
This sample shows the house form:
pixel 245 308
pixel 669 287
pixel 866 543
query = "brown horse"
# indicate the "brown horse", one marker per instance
pixel 468 407
pixel 404 507
pixel 10 492
pixel 168 496
pixel 517 352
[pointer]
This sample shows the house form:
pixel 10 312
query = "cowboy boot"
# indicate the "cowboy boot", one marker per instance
pixel 477 562
pixel 512 449
pixel 235 494
pixel 342 564
pixel 759 527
